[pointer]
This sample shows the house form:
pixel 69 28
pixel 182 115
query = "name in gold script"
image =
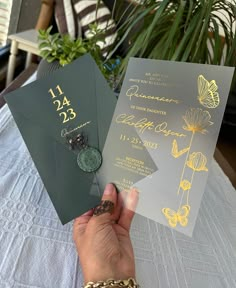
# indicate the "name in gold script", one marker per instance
pixel 133 91
pixel 144 124
pixel 65 132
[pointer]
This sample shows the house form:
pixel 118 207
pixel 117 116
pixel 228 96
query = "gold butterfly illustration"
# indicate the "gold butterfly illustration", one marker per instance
pixel 179 216
pixel 208 95
pixel 175 152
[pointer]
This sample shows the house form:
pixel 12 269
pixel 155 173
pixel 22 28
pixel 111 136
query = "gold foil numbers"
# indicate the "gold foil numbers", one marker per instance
pixel 62 104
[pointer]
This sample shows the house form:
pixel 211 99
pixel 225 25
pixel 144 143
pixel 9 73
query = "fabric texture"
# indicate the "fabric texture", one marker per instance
pixel 36 251
pixel 88 12
pixel 65 18
pixel 60 17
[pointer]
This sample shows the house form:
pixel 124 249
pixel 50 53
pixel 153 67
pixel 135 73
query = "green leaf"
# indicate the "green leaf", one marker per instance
pixel 82 50
pixel 217 49
pixel 139 17
pixel 156 18
pixel 174 29
pixel 48 31
pixel 180 30
pixel 44 45
pixel 51 59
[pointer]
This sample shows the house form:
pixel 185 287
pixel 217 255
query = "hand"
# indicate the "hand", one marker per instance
pixel 103 242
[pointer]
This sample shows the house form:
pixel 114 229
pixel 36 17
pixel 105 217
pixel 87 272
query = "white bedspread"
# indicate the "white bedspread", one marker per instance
pixel 37 251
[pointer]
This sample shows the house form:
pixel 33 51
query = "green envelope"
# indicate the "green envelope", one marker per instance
pixel 79 96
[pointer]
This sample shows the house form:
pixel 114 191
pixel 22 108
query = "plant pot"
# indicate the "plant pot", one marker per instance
pixel 45 68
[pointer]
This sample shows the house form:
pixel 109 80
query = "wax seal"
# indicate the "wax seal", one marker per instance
pixel 89 159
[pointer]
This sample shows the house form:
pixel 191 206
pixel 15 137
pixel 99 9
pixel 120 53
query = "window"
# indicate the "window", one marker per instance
pixel 5 12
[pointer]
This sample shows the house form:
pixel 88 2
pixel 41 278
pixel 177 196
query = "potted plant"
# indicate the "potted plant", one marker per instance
pixel 58 50
pixel 195 31
pixel 190 31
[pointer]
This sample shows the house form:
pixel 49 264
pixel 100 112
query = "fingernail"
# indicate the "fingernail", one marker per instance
pixel 134 190
pixel 109 189
pixel 132 199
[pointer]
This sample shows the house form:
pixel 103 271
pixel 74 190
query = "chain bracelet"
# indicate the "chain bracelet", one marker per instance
pixel 130 283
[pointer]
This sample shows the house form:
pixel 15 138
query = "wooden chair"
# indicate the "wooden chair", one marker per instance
pixel 45 15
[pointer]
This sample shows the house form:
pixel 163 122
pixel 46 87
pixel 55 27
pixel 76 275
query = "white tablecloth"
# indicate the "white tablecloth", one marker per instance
pixel 37 251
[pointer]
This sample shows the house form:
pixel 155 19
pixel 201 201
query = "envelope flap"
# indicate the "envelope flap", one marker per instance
pixel 80 94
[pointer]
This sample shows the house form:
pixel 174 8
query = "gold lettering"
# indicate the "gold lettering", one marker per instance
pixel 144 124
pixel 64 132
pixel 133 92
pixel 162 128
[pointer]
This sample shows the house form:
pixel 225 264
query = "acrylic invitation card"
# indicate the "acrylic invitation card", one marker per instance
pixel 62 121
pixel 163 136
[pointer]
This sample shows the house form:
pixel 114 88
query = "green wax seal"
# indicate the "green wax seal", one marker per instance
pixel 89 159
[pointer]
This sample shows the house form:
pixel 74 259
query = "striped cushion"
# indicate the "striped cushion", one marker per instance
pixel 60 17
pixel 88 13
pixel 65 18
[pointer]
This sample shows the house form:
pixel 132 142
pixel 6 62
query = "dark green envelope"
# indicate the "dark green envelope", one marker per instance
pixel 71 190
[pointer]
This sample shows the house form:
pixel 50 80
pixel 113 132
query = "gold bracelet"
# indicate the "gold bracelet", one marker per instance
pixel 130 283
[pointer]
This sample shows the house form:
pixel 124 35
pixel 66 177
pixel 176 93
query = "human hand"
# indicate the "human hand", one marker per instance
pixel 103 242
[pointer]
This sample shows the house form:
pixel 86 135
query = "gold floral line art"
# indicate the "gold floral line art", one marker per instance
pixel 196 121
pixel 197 161
pixel 180 216
pixel 207 93
pixel 185 185
pixel 176 152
